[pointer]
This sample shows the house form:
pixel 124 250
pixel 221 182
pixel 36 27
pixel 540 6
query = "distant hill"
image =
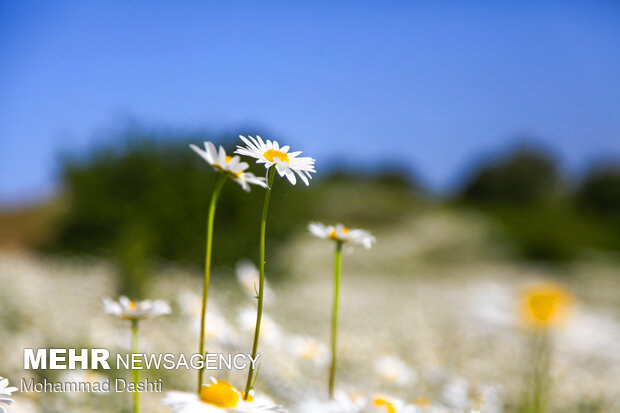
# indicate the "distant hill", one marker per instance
pixel 32 226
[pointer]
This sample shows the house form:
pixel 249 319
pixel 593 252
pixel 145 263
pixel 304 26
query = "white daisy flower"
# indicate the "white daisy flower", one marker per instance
pixel 270 153
pixel 455 393
pixel 485 399
pixel 394 370
pixel 5 393
pixel 308 349
pixel 216 327
pixel 217 397
pixel 249 278
pixel 135 310
pixel 341 233
pixel 229 165
pixel 269 330
pixel 190 303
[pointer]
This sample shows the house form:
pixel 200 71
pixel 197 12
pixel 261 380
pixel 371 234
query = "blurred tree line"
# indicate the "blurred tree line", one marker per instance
pixel 546 217
pixel 144 199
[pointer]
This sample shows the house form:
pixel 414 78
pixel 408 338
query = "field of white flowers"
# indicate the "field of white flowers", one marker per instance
pixel 429 318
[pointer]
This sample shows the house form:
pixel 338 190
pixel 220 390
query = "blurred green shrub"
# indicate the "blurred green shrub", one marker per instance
pixel 599 192
pixel 524 192
pixel 525 176
pixel 553 232
pixel 147 197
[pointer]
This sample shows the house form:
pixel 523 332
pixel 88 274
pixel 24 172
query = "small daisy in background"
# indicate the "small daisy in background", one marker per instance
pixel 218 396
pixel 5 393
pixel 249 278
pixel 308 349
pixel 127 309
pixel 189 303
pixel 455 393
pixel 217 328
pixel 341 233
pixel 485 399
pixel 270 331
pixel 270 153
pixel 393 370
pixel 135 311
pixel 231 166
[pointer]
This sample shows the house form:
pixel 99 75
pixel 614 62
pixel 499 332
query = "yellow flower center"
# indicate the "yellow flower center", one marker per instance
pixel 310 351
pixel 220 394
pixel 271 154
pixel 132 305
pixel 383 402
pixel 542 306
pixel 422 401
pixel 221 168
pixel 334 236
pixel 545 305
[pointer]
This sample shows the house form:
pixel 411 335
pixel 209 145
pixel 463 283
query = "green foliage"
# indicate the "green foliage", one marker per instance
pixel 553 232
pixel 527 175
pixel 600 191
pixel 545 222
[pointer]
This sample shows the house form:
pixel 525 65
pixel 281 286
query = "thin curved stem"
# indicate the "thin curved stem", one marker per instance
pixel 205 289
pixel 136 372
pixel 541 373
pixel 337 267
pixel 261 284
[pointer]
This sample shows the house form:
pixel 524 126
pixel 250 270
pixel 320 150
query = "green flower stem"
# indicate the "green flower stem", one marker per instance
pixel 136 372
pixel 541 380
pixel 535 398
pixel 205 290
pixel 337 267
pixel 259 310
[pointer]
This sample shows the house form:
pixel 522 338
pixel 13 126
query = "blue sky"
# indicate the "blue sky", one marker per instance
pixel 432 84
